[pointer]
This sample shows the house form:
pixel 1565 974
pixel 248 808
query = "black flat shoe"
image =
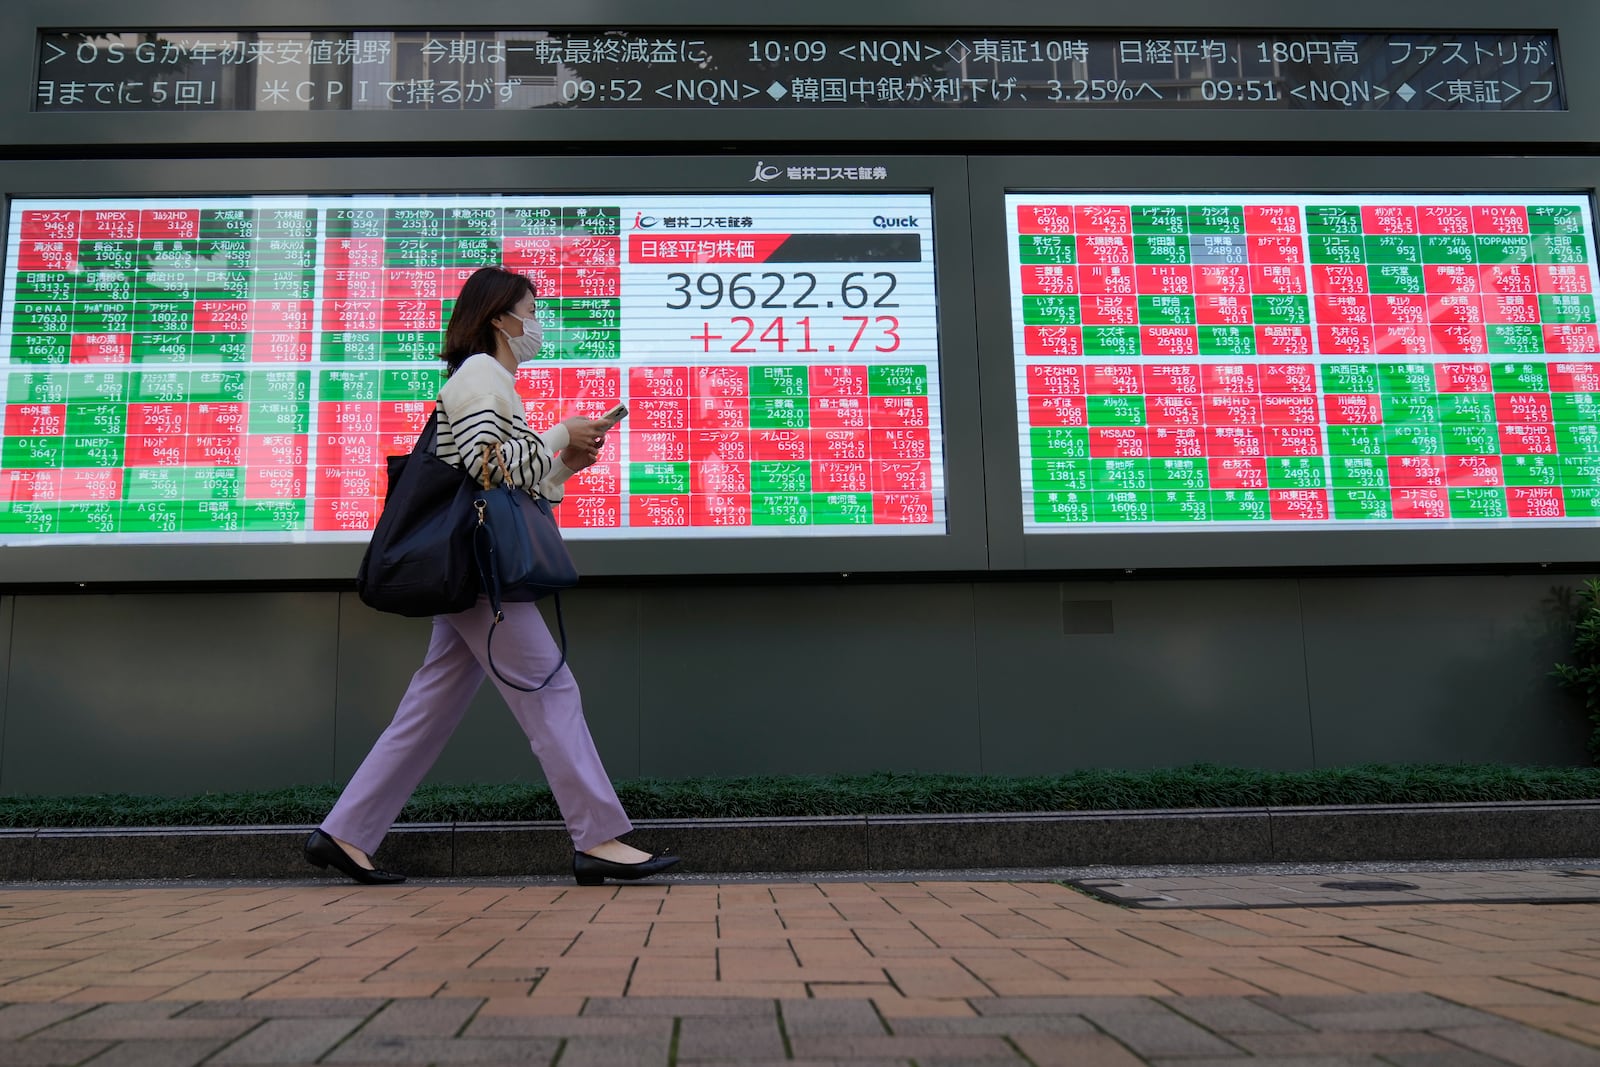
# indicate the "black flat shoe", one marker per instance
pixel 592 870
pixel 324 851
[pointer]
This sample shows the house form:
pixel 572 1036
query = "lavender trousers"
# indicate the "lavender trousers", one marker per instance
pixel 437 698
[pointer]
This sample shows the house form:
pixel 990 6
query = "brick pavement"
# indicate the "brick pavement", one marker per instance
pixel 861 973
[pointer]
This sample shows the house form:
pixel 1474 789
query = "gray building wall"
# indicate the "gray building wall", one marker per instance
pixel 180 671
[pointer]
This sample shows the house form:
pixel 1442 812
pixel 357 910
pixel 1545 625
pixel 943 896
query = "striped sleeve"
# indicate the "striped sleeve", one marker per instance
pixel 481 407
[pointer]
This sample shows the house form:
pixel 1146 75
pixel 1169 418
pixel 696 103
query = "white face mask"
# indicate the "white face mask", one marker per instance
pixel 526 346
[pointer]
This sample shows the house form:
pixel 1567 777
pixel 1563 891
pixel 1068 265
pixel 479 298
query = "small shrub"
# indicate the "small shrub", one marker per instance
pixel 1582 674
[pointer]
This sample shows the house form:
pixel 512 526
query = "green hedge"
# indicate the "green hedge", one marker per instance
pixel 867 794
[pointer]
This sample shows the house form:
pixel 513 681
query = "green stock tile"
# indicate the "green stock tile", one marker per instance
pixel 1392 248
pixel 79 517
pixel 1058 442
pixel 352 347
pixel 841 509
pixel 1338 249
pixel 904 379
pixel 592 221
pixel 1464 439
pixel 103 316
pixel 219 386
pixel 1116 410
pixel 654 479
pixel 279 418
pixel 780 477
pixel 1219 218
pixel 1444 248
pixel 531 221
pixel 1062 507
pixel 1160 218
pixel 80 451
pixel 779 381
pixel 29 518
pixel 1580 470
pixel 1578 439
pixel 1555 218
pixel 165 516
pixel 1122 505
pixel 32 453
pixel 363 222
pixel 221 347
pixel 780 509
pixel 1477 503
pixel 1051 311
pixel 210 516
pixel 108 256
pixel 279 385
pixel 1119 474
pixel 153 484
pixel 1361 504
pixel 1469 409
pixel 1582 502
pixel 1510 339
pixel 1179 474
pixel 1425 439
pixel 97 419
pixel 1166 310
pixel 779 413
pixel 1404 410
pixel 1356 441
pixel 273 515
pixel 476 251
pixel 1532 470
pixel 41 348
pixel 1350 378
pixel 1163 249
pixel 1047 248
pixel 1111 340
pixel 1227 341
pixel 1333 218
pixel 1521 378
pixel 1560 248
pixel 1566 307
pixel 1062 475
pixel 1493 250
pixel 36 387
pixel 1296 472
pixel 1575 407
pixel 412 383
pixel 163 348
pixel 415 346
pixel 1181 506
pixel 350 385
pixel 1396 378
pixel 284 284
pixel 1359 472
pixel 1395 278
pixel 223 284
pixel 46 287
pixel 1240 505
pixel 160 387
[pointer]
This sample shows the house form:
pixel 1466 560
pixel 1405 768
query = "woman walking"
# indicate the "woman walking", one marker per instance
pixel 492 329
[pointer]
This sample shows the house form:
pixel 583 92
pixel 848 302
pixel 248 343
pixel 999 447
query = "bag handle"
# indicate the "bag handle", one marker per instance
pixel 489 580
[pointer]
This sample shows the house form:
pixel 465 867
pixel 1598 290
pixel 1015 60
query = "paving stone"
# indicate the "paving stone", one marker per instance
pixel 288 1041
pixel 620 1051
pixel 287 1008
pixel 19 1020
pixel 422 1017
pixel 1523 1046
pixel 842 1018
pixel 710 1038
pixel 570 1026
pixel 1067 1006
pixel 680 1007
pixel 1457 1057
pixel 917 1048
pixel 1169 1034
pixel 46 1053
pixel 98 1025
pixel 428 1050
pixel 1003 1025
pixel 1232 1015
pixel 157 1053
pixel 1275 1061
pixel 1340 1043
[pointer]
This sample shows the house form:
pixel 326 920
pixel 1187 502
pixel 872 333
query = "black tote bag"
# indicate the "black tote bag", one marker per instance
pixel 420 561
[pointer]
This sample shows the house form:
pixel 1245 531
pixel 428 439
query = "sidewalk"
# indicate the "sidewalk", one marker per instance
pixel 861 973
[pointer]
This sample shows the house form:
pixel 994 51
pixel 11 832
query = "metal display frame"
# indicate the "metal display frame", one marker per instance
pixel 962 547
pixel 1282 545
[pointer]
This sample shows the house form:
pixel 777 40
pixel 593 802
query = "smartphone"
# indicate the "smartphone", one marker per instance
pixel 615 415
